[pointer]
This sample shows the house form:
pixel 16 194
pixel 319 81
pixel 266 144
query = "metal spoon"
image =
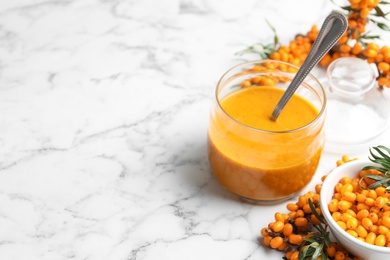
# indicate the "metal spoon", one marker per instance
pixel 331 31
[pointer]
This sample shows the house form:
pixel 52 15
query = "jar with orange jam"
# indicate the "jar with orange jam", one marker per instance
pixel 262 160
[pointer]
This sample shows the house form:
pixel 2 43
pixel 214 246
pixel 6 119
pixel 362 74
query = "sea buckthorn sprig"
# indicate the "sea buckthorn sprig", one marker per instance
pixel 356 41
pixel 377 176
pixel 302 233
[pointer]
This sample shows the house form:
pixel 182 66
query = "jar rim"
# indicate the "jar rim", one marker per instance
pixel 321 93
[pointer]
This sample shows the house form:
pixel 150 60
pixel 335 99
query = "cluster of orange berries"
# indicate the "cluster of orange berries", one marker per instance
pixel 344 159
pixel 289 230
pixel 350 44
pixel 363 213
pixel 267 80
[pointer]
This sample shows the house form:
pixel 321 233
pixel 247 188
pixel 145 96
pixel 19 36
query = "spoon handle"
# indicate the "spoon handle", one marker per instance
pixel 331 31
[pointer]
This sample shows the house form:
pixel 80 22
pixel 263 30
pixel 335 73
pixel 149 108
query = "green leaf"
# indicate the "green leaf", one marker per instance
pixel 378 184
pixel 318 251
pixel 382 170
pixel 379 149
pixel 374 177
pixel 314 211
pixel 379 12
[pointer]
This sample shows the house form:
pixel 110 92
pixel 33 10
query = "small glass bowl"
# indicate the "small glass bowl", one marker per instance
pixel 358 112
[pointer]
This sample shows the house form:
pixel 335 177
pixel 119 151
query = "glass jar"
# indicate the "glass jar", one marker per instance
pixel 258 164
pixel 358 112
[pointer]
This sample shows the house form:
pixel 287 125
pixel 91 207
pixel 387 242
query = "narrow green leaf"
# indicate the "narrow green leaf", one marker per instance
pixel 326 238
pixel 379 150
pixel 382 170
pixel 318 251
pixel 314 211
pixel 374 177
pixel 378 184
pixel 379 12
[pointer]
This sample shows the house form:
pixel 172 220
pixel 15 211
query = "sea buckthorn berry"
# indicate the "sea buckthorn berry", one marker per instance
pixel 381 191
pixel 342 224
pixel 370 238
pixel 301 222
pixel 369 53
pixel 361 206
pixel 294 256
pixel 339 255
pixel 287 229
pixel 267 240
pixel 364 213
pixel 338 196
pixel 344 205
pixel 289 254
pixel 283 246
pixel 380 240
pixel 383 230
pixel 349 196
pixel 352 223
pixel 314 220
pixel 279 217
pixel 306 208
pixel 292 207
pixel 369 202
pixel 245 84
pixel 295 239
pixel 388 236
pixel 331 250
pixel 278 226
pixel 372 194
pixel 344 180
pixel 292 214
pixel 374 229
pixel 351 212
pixel 345 48
pixel 265 81
pixel 338 187
pixel 264 232
pixel 275 56
pixel 361 231
pixel 367 223
pixel 374 217
pixel 345 217
pixel 386 221
pixel 373 46
pixel 336 215
pixel 318 188
pixel 352 233
pixel 276 242
pixel 357 48
pixel 302 201
pixel 300 213
pixel 361 197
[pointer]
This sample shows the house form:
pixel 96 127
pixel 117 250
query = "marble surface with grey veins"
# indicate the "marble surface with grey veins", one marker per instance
pixel 104 109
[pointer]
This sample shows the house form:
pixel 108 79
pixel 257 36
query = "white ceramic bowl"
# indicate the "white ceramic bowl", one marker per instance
pixel 361 249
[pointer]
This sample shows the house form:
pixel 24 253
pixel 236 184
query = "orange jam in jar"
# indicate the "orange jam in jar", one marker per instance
pixel 250 154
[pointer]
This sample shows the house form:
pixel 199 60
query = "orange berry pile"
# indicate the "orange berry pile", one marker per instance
pixel 344 159
pixel 269 79
pixel 352 44
pixel 289 230
pixel 363 213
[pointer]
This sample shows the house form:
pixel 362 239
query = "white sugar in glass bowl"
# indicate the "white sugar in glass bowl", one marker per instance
pixel 358 248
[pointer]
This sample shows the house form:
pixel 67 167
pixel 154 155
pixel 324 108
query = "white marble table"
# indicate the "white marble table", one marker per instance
pixel 104 112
